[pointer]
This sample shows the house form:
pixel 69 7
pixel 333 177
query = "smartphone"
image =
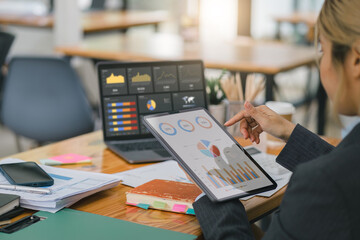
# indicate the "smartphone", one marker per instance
pixel 26 174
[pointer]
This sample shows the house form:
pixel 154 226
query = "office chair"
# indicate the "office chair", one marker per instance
pixel 44 100
pixel 101 5
pixel 6 40
pixel 97 5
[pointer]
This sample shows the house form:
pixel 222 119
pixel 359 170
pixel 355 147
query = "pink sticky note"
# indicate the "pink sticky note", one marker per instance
pixel 134 204
pixel 179 208
pixel 71 158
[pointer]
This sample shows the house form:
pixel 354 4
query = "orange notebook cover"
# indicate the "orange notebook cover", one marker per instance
pixel 164 195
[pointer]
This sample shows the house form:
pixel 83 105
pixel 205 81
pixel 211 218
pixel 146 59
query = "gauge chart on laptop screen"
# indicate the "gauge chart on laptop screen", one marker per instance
pixel 132 90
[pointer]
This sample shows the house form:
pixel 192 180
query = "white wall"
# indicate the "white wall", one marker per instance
pixel 218 20
pixel 262 14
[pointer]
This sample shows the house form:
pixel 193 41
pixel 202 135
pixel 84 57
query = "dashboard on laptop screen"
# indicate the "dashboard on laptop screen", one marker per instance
pixel 131 90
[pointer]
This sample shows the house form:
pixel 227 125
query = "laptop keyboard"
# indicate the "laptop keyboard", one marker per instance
pixel 156 146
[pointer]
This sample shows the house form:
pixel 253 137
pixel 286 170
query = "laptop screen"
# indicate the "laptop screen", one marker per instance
pixel 129 91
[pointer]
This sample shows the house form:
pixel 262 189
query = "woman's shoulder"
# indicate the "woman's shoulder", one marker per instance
pixel 339 168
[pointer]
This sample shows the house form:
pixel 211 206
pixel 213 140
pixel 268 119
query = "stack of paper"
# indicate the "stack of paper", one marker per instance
pixel 69 187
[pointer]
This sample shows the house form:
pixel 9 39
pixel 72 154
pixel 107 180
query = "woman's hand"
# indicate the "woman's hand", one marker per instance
pixel 255 120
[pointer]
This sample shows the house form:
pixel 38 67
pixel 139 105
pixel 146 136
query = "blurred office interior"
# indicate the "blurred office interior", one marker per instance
pixel 215 22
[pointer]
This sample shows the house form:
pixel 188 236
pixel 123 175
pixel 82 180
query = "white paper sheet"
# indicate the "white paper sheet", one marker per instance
pixel 168 170
pixel 280 174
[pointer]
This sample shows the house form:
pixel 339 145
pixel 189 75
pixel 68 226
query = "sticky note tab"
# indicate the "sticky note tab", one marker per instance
pixel 133 204
pixel 71 158
pixel 179 208
pixel 158 204
pixel 190 211
pixel 143 205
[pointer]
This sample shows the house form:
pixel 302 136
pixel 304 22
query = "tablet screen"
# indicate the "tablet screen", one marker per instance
pixel 210 153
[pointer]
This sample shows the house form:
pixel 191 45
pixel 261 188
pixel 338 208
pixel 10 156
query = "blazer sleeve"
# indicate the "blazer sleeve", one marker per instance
pixel 301 147
pixel 222 221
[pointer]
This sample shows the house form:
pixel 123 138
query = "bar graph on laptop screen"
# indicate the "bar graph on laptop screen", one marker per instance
pixel 132 90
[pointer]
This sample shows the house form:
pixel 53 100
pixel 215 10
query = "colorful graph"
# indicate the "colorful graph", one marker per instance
pixel 115 79
pixel 151 105
pixel 117 110
pixel 120 104
pixel 141 78
pixel 207 149
pixel 122 116
pixel 123 122
pixel 233 175
pixel 120 129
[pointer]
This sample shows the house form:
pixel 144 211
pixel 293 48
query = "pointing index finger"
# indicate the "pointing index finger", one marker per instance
pixel 240 115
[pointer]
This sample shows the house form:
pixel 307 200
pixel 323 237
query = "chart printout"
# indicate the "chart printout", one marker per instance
pixel 210 153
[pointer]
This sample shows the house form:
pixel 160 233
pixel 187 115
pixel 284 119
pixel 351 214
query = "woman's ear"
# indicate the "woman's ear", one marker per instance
pixel 357 51
pixel 356 59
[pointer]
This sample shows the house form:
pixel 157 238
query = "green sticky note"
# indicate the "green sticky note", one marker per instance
pixel 158 204
pixel 190 211
pixel 143 205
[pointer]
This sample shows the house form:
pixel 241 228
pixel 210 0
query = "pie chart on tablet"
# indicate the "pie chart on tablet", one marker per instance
pixel 207 149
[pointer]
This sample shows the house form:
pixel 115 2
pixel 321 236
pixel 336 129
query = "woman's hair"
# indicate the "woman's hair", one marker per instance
pixel 339 22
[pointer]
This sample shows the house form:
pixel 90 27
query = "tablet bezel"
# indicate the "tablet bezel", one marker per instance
pixel 192 174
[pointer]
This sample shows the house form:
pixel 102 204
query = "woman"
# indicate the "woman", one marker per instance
pixel 322 200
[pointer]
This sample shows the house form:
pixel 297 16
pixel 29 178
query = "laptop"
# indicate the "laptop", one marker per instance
pixel 129 91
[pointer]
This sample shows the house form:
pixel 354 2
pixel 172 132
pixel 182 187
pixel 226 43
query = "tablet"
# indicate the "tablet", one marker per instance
pixel 209 154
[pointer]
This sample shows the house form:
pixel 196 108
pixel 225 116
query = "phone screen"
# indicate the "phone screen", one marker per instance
pixel 26 174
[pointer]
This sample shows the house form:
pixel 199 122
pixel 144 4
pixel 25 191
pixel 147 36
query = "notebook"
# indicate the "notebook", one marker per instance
pixel 8 202
pixel 164 195
pixel 73 224
pixel 129 91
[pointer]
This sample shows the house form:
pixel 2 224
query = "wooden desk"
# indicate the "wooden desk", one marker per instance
pixel 237 56
pixel 112 202
pixel 92 21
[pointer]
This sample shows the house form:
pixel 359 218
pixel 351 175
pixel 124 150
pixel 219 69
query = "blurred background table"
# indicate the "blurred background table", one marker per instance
pixel 96 21
pixel 307 18
pixel 242 55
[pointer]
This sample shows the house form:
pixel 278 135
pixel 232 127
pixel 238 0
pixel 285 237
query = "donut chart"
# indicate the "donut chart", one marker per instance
pixel 203 122
pixel 168 129
pixel 186 125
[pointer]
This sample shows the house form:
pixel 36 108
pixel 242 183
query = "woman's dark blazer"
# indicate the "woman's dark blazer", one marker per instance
pixel 322 200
